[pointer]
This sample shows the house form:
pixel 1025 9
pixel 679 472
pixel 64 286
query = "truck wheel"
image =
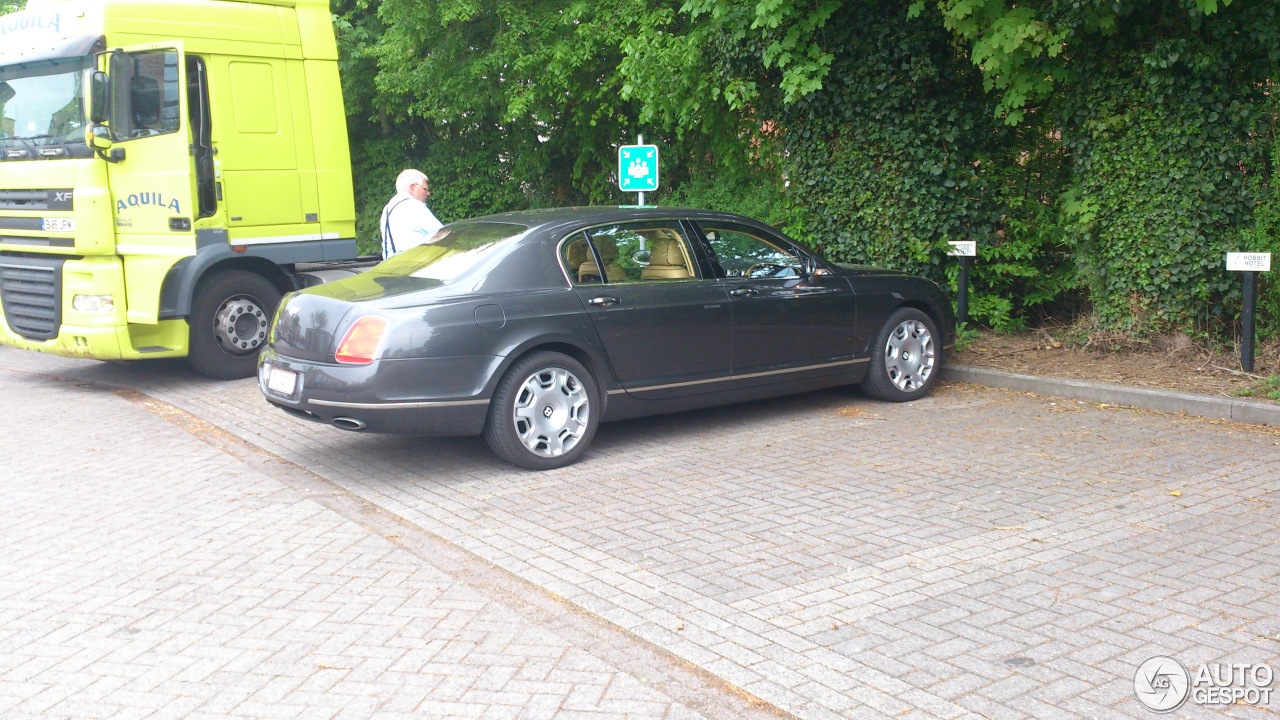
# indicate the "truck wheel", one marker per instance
pixel 230 318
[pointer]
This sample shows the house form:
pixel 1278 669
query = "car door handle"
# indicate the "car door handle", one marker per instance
pixel 742 292
pixel 603 301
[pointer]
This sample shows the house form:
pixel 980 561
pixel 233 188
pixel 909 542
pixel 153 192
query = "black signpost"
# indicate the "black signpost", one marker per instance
pixel 1250 264
pixel 966 250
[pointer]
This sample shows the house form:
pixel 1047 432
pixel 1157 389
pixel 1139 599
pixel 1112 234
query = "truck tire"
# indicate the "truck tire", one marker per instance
pixel 230 318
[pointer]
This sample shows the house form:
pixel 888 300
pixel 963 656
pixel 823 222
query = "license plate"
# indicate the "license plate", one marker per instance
pixel 58 225
pixel 281 381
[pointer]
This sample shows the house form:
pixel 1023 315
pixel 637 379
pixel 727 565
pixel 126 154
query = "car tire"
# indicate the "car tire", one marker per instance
pixel 906 357
pixel 229 321
pixel 544 412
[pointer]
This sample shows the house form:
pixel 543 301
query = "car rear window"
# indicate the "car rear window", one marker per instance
pixel 454 251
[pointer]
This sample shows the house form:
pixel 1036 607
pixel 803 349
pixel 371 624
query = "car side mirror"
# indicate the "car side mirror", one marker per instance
pixel 813 269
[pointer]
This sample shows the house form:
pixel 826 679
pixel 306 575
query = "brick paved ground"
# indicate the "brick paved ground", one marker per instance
pixel 146 574
pixel 976 554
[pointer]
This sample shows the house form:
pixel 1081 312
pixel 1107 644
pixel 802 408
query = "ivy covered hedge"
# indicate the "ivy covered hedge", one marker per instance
pixel 1104 156
pixel 900 152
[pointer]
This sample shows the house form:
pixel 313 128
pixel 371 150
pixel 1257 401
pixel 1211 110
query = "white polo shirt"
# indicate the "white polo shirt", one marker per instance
pixel 406 222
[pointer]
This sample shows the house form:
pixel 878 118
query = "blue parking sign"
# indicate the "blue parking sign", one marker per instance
pixel 638 168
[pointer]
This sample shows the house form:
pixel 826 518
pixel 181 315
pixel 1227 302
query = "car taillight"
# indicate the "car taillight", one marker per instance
pixel 360 345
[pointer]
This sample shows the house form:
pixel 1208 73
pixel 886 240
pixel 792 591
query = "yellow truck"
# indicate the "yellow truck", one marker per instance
pixel 168 169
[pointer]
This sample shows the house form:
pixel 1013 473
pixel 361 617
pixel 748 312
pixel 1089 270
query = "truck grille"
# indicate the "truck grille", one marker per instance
pixel 62 199
pixel 30 288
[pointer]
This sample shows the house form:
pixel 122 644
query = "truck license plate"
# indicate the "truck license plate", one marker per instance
pixel 58 224
pixel 281 381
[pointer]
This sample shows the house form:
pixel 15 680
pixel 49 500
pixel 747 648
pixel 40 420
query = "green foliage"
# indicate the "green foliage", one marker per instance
pixel 504 105
pixel 1169 139
pixel 965 337
pixel 900 155
pixel 1028 50
pixel 536 82
pixel 1103 155
pixel 752 192
pixel 1262 234
pixel 8 6
pixel 1268 389
pixel 783 35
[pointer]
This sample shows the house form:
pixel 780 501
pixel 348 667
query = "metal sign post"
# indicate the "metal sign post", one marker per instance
pixel 965 250
pixel 638 168
pixel 1250 264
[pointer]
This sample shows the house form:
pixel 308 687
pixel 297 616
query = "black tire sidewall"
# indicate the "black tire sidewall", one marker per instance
pixel 877 383
pixel 204 353
pixel 500 431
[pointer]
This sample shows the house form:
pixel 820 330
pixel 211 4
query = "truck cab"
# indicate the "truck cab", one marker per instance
pixel 165 167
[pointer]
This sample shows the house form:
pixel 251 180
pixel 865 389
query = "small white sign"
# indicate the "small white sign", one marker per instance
pixel 963 248
pixel 1248 262
pixel 58 225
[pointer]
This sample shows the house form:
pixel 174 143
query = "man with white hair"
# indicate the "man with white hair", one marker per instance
pixel 406 220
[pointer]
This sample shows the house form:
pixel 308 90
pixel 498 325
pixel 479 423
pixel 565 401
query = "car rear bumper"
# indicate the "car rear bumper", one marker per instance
pixel 368 404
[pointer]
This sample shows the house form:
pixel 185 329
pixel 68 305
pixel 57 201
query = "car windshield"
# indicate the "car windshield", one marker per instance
pixel 42 105
pixel 454 251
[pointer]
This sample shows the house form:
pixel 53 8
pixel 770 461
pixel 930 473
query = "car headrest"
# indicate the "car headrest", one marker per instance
pixel 666 251
pixel 576 254
pixel 608 249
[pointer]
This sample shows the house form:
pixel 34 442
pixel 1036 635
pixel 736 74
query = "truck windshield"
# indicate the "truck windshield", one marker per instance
pixel 42 109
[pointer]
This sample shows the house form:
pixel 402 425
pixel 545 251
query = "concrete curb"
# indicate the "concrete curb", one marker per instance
pixel 1207 406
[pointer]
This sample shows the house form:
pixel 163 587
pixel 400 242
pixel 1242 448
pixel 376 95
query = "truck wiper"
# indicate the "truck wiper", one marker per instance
pixel 12 142
pixel 49 140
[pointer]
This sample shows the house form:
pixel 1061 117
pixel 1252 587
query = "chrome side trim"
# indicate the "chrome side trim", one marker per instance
pixel 727 378
pixel 462 403
pixel 399 405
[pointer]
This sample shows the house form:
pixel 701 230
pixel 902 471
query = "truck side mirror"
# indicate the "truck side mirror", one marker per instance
pixel 99 97
pixel 98 137
pixel 6 92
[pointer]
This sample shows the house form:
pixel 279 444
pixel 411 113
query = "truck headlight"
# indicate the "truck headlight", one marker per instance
pixel 94 303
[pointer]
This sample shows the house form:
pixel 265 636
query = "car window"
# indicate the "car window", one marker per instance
pixel 574 253
pixel 453 251
pixel 636 252
pixel 743 255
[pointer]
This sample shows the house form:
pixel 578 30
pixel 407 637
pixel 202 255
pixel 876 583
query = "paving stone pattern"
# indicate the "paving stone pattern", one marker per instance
pixel 147 575
pixel 977 554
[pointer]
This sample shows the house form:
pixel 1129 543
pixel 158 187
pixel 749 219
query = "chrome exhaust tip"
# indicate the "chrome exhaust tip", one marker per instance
pixel 346 423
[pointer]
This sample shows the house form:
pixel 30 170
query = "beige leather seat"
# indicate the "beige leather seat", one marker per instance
pixel 575 254
pixel 666 260
pixel 612 271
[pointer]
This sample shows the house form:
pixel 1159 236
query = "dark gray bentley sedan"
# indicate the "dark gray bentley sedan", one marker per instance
pixel 533 327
